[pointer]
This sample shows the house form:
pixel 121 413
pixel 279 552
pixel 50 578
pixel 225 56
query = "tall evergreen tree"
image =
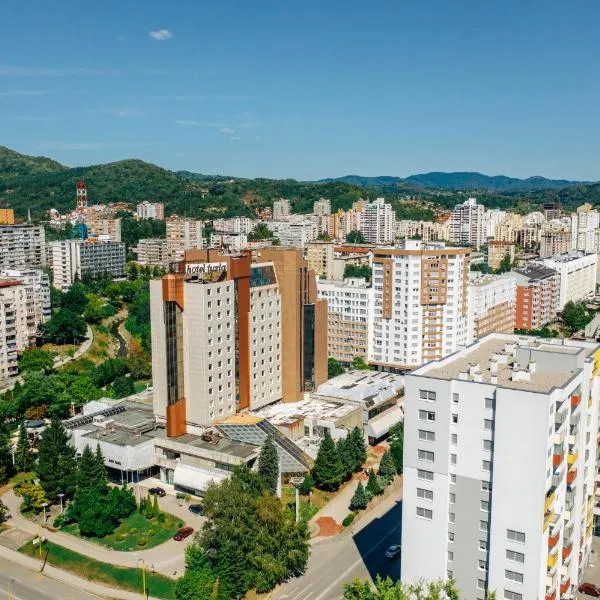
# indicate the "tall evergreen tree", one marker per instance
pixel 268 464
pixel 397 446
pixel 387 466
pixel 359 500
pixel 328 471
pixel 373 486
pixel 57 466
pixel 100 467
pixel 345 452
pixel 358 448
pixel 6 463
pixel 23 455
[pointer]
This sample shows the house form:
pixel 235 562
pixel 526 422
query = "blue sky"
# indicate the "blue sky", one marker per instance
pixel 306 89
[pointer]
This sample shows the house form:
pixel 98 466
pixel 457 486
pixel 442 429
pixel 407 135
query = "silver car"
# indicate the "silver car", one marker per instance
pixel 393 551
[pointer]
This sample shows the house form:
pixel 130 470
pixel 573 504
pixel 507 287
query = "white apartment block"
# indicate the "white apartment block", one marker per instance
pixel 37 297
pixel 234 225
pixel 73 260
pixel 322 206
pixel 420 304
pixel 14 334
pixel 151 252
pixel 577 275
pixel 233 242
pixel 428 231
pixel 282 209
pixel 583 227
pixel 468 224
pixel 151 210
pixel 378 222
pixel 296 233
pixel 492 301
pixel 182 235
pixel 533 218
pixel 506 231
pixel 499 467
pixel 22 245
pixel 493 218
pixel 349 315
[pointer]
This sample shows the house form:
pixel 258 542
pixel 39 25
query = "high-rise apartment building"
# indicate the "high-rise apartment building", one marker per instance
pixel 282 209
pixel 498 251
pixel 492 301
pixel 234 225
pixel 552 210
pixel 151 252
pixel 468 225
pixel 230 242
pixel 577 275
pixel 320 257
pixel 493 218
pixel 555 239
pixel 378 222
pixel 14 333
pixel 182 235
pixel 22 245
pixel 151 210
pixel 538 295
pixel 349 314
pixel 294 232
pixel 77 260
pixel 7 216
pixel 322 206
pixel 420 309
pixel 229 334
pixel 428 231
pixel 583 226
pixel 102 226
pixel 499 467
pixel 37 297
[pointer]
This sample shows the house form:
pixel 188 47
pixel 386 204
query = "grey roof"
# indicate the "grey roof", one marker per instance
pixel 534 271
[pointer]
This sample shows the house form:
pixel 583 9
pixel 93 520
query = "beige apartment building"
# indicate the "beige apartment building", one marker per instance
pixel 182 235
pixel 14 333
pixel 320 256
pixel 497 251
pixel 102 226
pixel 151 252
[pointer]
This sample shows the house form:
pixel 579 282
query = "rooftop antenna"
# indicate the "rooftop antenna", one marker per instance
pixel 29 215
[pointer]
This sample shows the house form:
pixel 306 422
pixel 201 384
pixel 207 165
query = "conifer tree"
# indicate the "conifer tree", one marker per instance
pixel 345 451
pixel 373 486
pixel 6 463
pixel 155 507
pixel 268 464
pixel 387 466
pixel 328 471
pixel 358 448
pixel 359 499
pixel 23 455
pixel 56 466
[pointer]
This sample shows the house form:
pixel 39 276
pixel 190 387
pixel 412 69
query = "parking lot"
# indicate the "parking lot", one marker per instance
pixel 592 572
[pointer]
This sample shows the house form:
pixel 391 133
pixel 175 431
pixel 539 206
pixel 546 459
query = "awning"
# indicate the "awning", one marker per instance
pixel 381 424
pixel 194 478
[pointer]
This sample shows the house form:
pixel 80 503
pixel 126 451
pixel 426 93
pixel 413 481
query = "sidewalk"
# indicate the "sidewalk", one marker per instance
pixel 168 558
pixel 83 348
pixel 72 580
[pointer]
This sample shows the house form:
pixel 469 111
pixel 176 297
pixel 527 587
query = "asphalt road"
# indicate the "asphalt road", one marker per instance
pixel 345 558
pixel 26 585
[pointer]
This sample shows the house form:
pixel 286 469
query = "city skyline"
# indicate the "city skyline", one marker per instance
pixel 311 93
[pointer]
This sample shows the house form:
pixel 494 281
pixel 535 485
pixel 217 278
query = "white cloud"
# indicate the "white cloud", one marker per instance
pixel 161 35
pixel 235 138
pixel 227 130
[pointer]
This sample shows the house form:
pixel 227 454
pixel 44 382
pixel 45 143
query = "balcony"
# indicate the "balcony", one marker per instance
pixel 564 586
pixel 550 497
pixel 566 551
pixel 575 400
pixel 557 458
pixel 551 560
pixel 572 457
pixel 551 595
pixel 553 540
pixel 571 475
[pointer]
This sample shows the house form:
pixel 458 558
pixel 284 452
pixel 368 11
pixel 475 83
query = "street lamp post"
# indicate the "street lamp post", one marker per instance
pixel 143 577
pixel 61 502
pixel 44 507
pixel 297 482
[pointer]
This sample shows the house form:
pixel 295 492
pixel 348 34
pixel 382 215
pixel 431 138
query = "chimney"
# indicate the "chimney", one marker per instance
pixel 478 377
pixel 531 366
pixel 493 366
pixel 463 376
pixel 494 379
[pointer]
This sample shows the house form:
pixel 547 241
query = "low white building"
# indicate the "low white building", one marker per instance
pixel 151 210
pixel 233 242
pixel 234 225
pixel 296 233
pixel 577 275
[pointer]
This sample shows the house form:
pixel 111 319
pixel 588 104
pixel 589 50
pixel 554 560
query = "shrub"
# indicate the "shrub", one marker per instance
pixel 180 524
pixel 348 519
pixel 120 537
pixel 142 541
pixel 180 496
pixel 133 530
pixel 161 517
pixel 59 521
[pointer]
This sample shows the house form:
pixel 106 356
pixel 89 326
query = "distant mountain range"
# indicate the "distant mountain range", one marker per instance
pixel 459 181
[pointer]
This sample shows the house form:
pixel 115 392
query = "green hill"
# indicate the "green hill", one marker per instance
pixel 14 165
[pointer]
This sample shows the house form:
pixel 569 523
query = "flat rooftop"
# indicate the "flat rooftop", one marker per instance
pixel 220 444
pixel 518 362
pixel 364 387
pixel 288 413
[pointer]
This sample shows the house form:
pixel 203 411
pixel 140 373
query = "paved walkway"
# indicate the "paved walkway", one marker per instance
pixel 83 348
pixel 167 559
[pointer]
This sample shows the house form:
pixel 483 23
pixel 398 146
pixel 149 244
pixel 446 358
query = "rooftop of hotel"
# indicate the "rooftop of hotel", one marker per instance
pixel 289 413
pixel 514 362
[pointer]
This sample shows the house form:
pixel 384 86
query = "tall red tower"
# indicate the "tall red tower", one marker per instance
pixel 81 196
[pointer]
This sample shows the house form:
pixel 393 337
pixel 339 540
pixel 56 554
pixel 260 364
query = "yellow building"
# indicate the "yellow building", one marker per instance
pixel 7 216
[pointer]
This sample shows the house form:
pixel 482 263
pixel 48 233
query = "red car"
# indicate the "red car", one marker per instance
pixel 183 533
pixel 589 589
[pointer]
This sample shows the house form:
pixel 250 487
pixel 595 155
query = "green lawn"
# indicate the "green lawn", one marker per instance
pixel 158 586
pixel 152 530
pixel 318 500
pixel 140 386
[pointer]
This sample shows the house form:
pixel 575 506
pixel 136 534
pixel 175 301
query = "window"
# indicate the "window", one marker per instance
pixel 452 498
pixel 483 525
pixel 455 398
pixel 426 436
pixel 452 477
pixel 426 395
pixel 487 424
pixel 426 415
pixel 513 576
pixel 484 505
pixel 480 584
pixel 425 494
pixel 486 486
pixel 454 418
pixel 486 465
pixel 483 545
pixel 424 513
pixel 451 517
pixel 454 439
pixel 515 536
pixel 426 455
pixel 508 595
pixel 489 403
pixel 451 536
pixel 425 475
pixel 482 565
pixel 515 556
pixel 487 445
pixel 453 459
pixel 450 555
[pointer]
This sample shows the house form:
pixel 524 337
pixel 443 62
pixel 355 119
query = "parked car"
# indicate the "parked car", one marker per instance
pixel 183 533
pixel 197 509
pixel 393 551
pixel 589 589
pixel 157 491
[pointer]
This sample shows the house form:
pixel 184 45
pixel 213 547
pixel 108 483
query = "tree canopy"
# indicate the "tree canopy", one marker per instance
pixel 268 465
